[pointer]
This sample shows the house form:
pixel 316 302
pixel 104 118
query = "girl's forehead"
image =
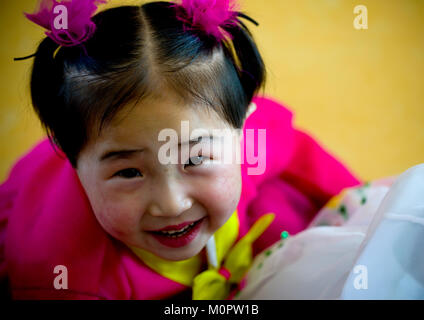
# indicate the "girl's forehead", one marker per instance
pixel 151 116
pixel 144 122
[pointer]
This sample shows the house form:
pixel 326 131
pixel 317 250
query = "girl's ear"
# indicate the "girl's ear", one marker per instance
pixel 250 109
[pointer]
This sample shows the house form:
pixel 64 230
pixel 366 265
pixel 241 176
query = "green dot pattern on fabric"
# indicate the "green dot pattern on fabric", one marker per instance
pixel 260 265
pixel 363 200
pixel 284 235
pixel 343 211
pixel 268 253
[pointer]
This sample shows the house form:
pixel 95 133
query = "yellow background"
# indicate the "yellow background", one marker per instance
pixel 359 92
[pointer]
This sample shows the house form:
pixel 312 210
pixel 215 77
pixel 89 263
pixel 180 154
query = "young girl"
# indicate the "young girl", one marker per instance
pixel 92 212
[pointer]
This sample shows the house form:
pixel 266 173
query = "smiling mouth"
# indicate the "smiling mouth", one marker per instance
pixel 167 232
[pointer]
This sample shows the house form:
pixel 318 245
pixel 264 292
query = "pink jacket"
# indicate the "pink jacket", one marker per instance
pixel 46 219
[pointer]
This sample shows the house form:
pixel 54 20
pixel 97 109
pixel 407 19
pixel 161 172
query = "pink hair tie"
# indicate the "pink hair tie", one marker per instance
pixel 209 16
pixel 68 22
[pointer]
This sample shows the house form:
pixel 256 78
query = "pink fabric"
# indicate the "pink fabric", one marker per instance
pixel 46 219
pixel 78 16
pixel 209 16
pixel 225 272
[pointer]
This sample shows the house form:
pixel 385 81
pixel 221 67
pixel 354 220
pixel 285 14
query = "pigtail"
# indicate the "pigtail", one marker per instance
pixel 247 58
pixel 46 79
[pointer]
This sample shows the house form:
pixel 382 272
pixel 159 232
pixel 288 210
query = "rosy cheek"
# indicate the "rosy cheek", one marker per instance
pixel 119 218
pixel 221 197
pixel 228 185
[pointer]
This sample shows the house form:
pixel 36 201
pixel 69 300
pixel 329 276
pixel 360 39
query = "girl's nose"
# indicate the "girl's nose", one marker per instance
pixel 172 201
pixel 169 208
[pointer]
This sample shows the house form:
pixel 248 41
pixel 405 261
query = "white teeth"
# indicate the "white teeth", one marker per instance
pixel 171 233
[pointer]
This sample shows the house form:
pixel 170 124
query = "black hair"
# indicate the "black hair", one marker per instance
pixel 134 51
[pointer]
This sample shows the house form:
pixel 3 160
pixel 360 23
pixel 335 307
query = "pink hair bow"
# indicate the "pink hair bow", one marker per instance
pixel 210 15
pixel 68 22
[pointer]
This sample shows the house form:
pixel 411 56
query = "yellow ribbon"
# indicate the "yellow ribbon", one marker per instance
pixel 215 284
pixel 55 52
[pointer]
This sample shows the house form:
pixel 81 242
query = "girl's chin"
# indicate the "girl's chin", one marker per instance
pixel 178 254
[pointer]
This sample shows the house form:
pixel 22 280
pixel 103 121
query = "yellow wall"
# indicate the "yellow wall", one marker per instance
pixel 359 92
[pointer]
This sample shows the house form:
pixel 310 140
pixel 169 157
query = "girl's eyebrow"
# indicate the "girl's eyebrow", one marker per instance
pixel 197 140
pixel 119 154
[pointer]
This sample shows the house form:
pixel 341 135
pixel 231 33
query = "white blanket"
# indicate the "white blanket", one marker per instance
pixel 366 244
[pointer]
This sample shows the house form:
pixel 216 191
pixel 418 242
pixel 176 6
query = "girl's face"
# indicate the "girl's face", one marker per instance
pixel 170 210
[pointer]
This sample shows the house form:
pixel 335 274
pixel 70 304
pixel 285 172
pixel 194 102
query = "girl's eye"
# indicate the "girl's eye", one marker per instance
pixel 194 161
pixel 128 173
